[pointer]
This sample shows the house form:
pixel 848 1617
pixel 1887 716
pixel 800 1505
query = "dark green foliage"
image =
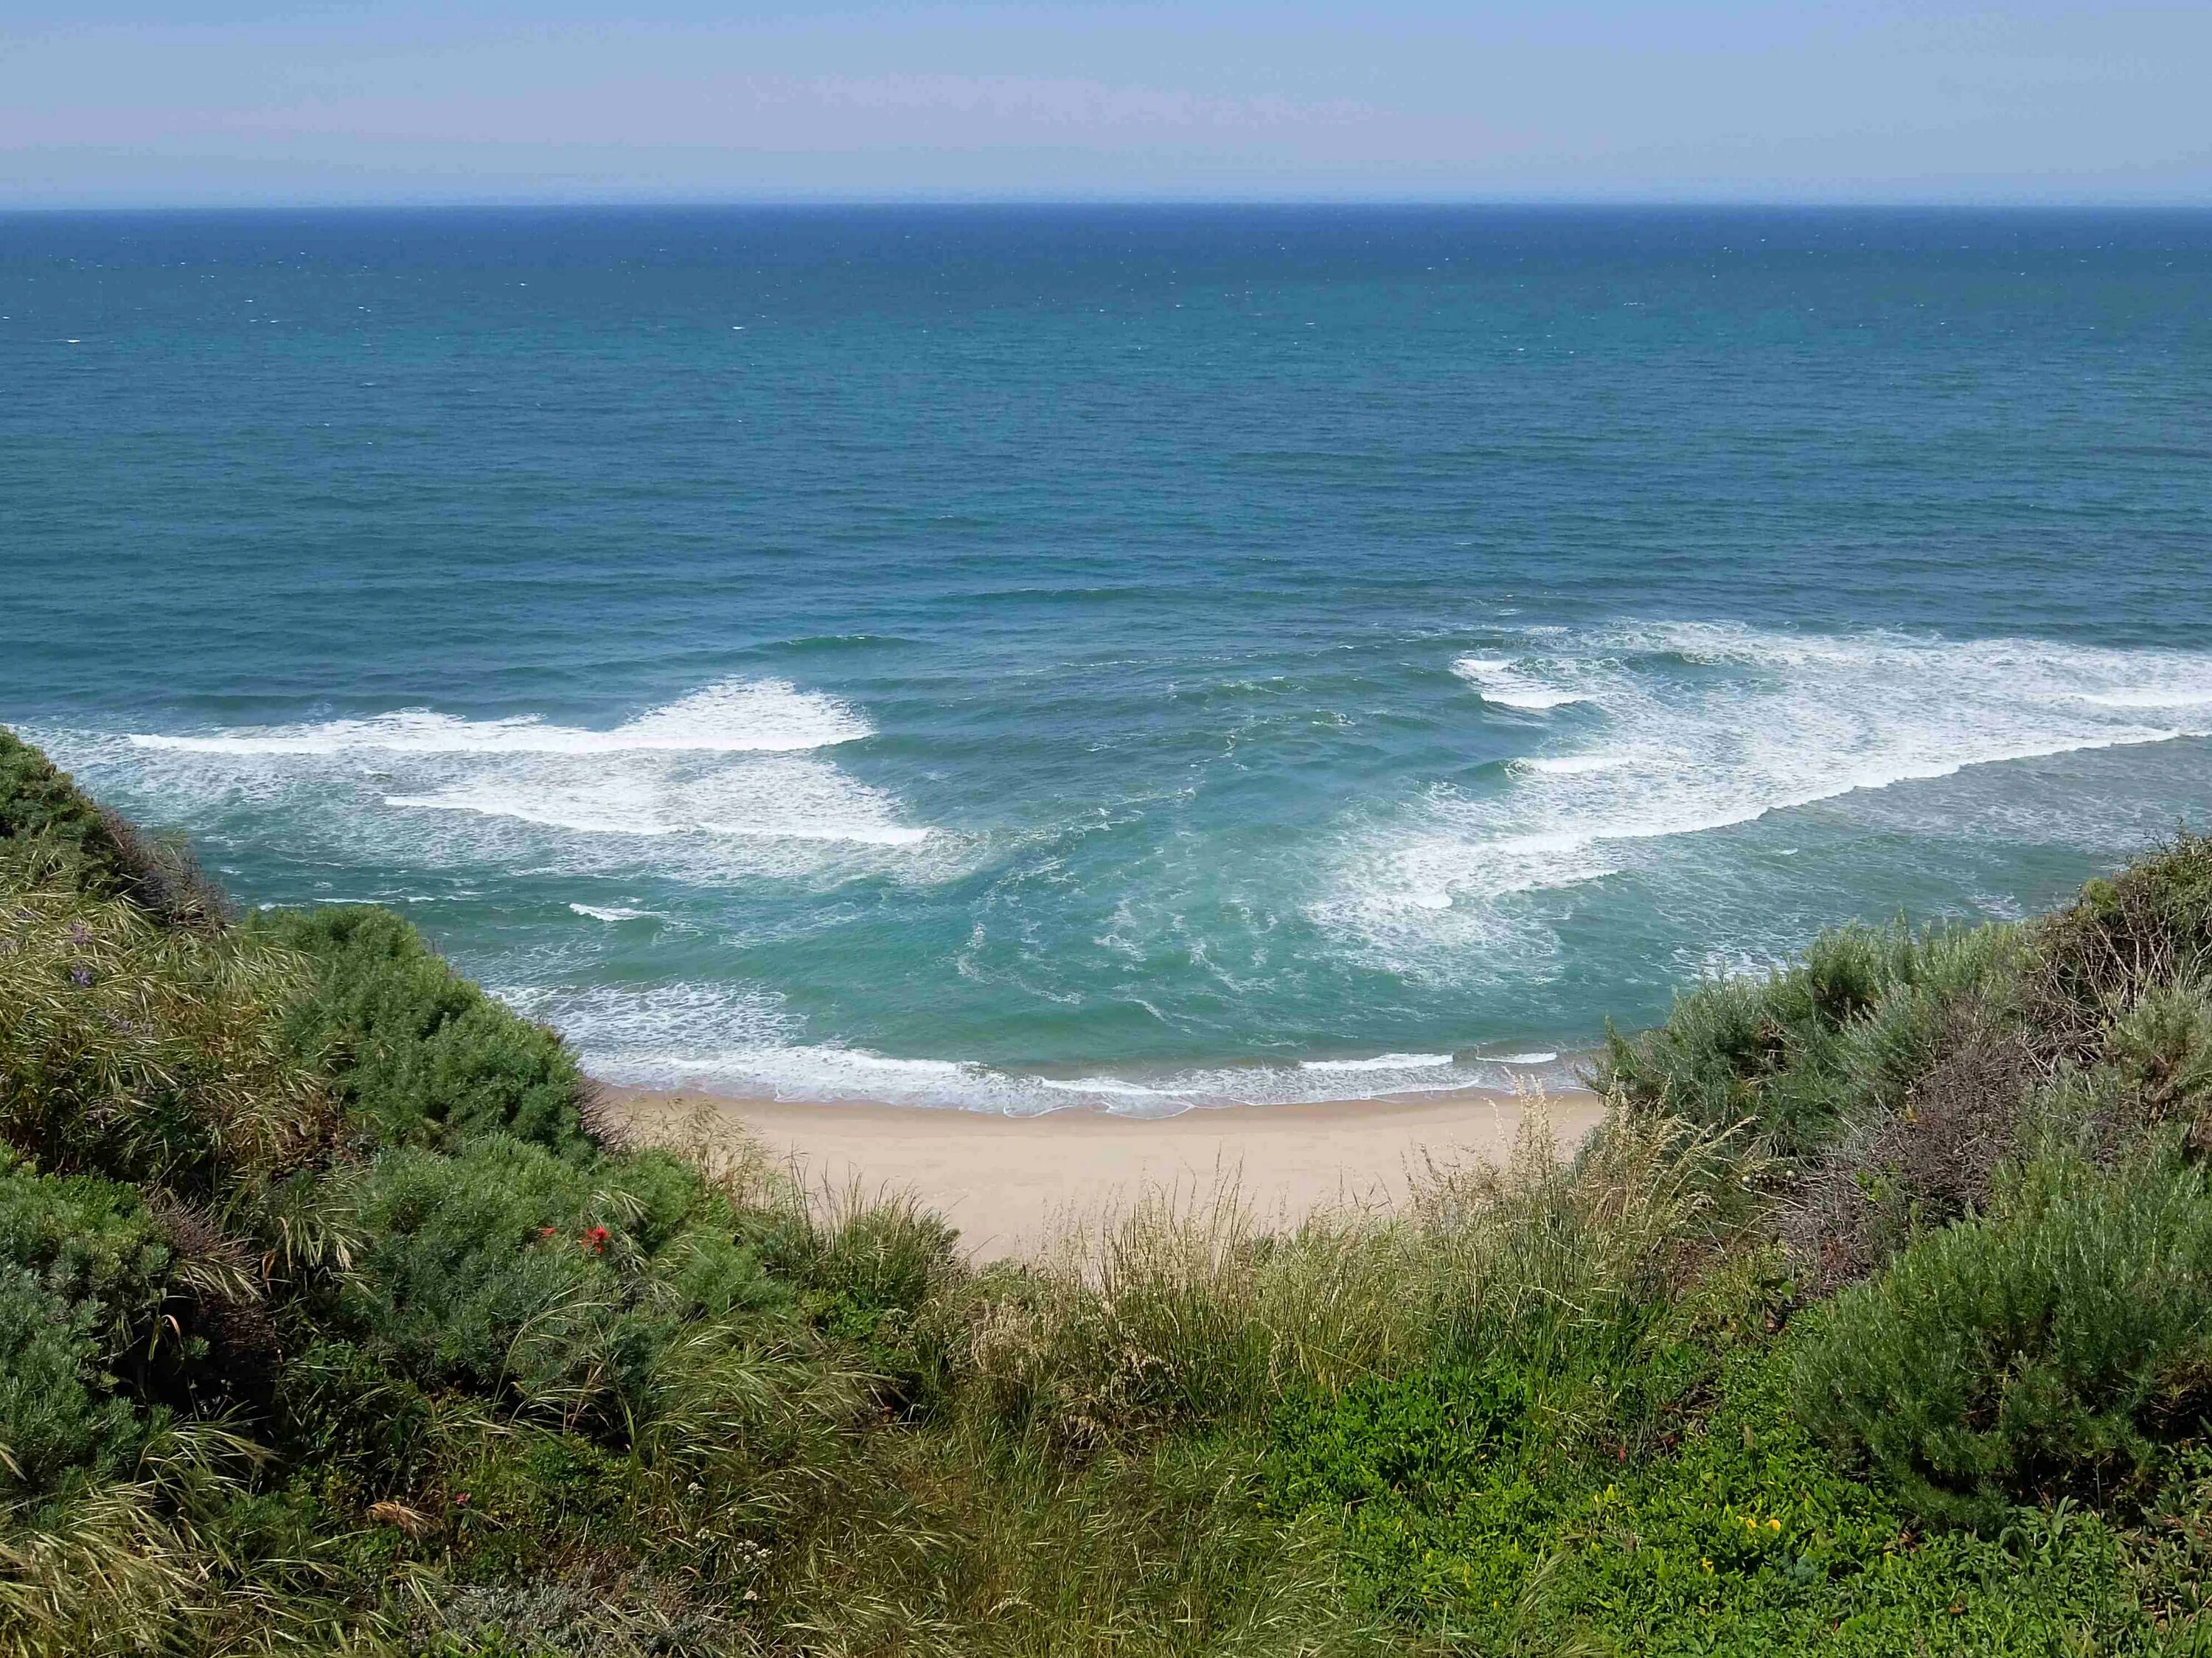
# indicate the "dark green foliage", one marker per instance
pixel 499 1266
pixel 90 1243
pixel 2046 1348
pixel 83 1274
pixel 420 1052
pixel 58 1412
pixel 339 1409
pixel 38 801
pixel 504 1270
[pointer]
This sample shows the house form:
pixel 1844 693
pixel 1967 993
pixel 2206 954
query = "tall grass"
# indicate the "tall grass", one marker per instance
pixel 1195 1318
pixel 1812 1046
pixel 146 1052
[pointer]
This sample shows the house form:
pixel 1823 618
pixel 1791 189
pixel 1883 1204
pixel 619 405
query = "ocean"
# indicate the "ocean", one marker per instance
pixel 1134 657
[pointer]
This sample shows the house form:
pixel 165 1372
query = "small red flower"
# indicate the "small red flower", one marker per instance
pixel 460 1499
pixel 596 1240
pixel 547 1231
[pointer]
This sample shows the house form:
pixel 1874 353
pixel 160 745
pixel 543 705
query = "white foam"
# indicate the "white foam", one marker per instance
pixel 1544 1056
pixel 733 763
pixel 1501 682
pixel 1380 1062
pixel 786 798
pixel 1719 725
pixel 1574 765
pixel 733 717
pixel 1113 1087
pixel 2172 697
pixel 743 1041
pixel 614 913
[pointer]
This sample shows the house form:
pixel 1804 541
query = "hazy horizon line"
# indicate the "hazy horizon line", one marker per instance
pixel 706 202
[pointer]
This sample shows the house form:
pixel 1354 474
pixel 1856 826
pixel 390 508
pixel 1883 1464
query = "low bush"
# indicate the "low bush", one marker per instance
pixel 89 1242
pixel 2148 925
pixel 59 1412
pixel 420 1054
pixel 503 1266
pixel 2043 1349
pixel 1844 1033
pixel 2161 1051
pixel 1734 1533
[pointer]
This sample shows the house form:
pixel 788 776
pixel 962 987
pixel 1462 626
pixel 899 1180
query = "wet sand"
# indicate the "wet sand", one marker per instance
pixel 1012 1185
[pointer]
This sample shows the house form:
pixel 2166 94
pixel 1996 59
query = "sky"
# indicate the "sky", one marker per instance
pixel 235 102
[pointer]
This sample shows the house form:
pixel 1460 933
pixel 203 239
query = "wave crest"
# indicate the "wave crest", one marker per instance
pixel 733 717
pixel 1709 725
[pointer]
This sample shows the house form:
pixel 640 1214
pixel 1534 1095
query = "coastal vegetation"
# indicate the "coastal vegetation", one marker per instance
pixel 336 1316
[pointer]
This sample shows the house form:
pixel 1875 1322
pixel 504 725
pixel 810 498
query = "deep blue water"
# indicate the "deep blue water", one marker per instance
pixel 951 655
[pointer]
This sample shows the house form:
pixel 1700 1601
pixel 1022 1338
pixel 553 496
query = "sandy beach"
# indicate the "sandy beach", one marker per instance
pixel 1013 1184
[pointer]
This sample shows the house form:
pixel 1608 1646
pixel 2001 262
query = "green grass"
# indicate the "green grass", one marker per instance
pixel 1463 1510
pixel 1871 1321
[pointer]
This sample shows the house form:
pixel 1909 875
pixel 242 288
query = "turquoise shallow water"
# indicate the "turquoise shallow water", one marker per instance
pixel 1147 657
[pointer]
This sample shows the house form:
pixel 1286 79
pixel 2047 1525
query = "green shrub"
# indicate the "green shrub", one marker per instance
pixel 1413 1438
pixel 503 1266
pixel 2161 1049
pixel 1844 1032
pixel 493 1268
pixel 2046 1347
pixel 89 1242
pixel 420 1052
pixel 2148 925
pixel 59 1410
pixel 1736 1533
pixel 38 801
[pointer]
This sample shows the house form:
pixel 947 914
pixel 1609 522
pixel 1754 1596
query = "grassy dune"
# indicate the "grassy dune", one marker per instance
pixel 1876 1318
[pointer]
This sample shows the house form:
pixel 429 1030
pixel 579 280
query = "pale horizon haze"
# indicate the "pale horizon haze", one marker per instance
pixel 122 103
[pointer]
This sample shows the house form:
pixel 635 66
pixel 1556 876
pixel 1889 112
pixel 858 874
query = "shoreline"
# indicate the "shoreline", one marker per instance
pixel 1013 1186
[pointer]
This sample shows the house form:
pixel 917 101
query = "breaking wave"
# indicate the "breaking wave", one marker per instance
pixel 734 717
pixel 742 761
pixel 1700 726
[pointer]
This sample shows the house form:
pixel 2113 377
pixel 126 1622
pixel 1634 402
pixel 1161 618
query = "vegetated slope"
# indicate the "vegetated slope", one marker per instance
pixel 1875 1318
